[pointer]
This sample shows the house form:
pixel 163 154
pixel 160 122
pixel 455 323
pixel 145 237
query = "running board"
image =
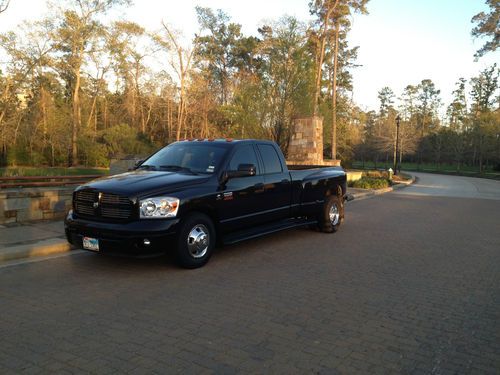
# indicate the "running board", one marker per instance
pixel 263 230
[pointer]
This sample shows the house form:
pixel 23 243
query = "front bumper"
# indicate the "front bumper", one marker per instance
pixel 124 238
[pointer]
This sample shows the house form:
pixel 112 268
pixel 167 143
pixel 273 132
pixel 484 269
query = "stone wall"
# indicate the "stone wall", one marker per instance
pixel 26 204
pixel 306 144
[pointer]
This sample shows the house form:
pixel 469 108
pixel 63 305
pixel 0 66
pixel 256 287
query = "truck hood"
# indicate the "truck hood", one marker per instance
pixel 142 183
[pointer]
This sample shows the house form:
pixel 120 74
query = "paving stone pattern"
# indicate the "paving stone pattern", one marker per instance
pixel 408 285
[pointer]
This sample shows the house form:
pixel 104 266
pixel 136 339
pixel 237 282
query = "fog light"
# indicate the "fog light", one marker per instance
pixel 146 242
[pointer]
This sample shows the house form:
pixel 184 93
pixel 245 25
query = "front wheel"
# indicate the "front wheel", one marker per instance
pixel 332 214
pixel 196 241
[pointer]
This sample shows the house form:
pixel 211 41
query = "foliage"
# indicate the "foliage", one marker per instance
pixel 487 25
pixel 78 88
pixel 371 183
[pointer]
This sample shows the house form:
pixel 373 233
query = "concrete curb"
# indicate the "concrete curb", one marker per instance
pixel 42 248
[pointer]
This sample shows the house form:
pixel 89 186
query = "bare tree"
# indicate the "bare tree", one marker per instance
pixel 4 4
pixel 74 38
pixel 334 90
pixel 181 63
pixel 326 9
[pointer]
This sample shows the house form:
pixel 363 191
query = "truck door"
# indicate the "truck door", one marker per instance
pixel 240 203
pixel 277 184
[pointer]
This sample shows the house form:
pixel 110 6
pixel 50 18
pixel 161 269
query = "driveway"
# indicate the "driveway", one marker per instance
pixel 436 185
pixel 410 284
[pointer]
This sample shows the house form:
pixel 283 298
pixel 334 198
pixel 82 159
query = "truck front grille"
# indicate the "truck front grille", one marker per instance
pixel 95 204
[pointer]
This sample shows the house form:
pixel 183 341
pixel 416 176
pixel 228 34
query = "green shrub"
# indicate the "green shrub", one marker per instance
pixel 371 183
pixel 124 140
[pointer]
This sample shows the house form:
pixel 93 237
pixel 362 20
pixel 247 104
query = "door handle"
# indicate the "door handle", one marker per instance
pixel 285 181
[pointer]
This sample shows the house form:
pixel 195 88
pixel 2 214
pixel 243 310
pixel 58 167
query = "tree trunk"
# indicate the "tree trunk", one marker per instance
pixel 334 92
pixel 105 120
pixel 480 153
pixel 321 57
pixel 92 109
pixel 205 120
pixel 394 153
pixel 95 121
pixel 77 120
pixel 180 117
pixel 169 120
pixel 5 95
pixel 400 156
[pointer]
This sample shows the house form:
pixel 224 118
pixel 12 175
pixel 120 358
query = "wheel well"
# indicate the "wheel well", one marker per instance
pixel 340 192
pixel 335 190
pixel 206 211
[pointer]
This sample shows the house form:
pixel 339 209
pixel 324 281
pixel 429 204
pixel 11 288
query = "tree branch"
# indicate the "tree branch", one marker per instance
pixel 4 4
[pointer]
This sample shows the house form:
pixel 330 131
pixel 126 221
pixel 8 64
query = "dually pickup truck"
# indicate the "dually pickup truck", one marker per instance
pixel 191 195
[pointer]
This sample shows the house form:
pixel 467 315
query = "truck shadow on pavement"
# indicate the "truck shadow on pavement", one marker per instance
pixel 224 255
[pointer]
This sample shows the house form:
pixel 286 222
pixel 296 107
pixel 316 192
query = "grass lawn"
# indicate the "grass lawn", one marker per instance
pixel 432 168
pixel 51 171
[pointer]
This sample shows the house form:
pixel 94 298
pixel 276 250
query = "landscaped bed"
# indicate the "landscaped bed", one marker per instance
pixel 374 179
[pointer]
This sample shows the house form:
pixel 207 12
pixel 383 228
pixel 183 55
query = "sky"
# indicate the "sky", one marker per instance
pixel 401 42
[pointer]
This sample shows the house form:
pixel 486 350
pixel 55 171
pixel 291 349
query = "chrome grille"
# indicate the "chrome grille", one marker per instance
pixel 86 195
pixel 116 213
pixel 100 205
pixel 114 199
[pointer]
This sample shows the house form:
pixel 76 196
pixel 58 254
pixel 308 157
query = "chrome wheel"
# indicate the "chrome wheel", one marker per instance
pixel 334 214
pixel 198 241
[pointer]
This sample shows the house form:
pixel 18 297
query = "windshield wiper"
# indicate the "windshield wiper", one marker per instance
pixel 176 168
pixel 147 166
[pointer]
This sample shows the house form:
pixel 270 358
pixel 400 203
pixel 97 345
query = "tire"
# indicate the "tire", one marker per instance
pixel 196 241
pixel 332 214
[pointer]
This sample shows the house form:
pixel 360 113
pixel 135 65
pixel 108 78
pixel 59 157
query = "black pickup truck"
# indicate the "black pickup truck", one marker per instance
pixel 194 194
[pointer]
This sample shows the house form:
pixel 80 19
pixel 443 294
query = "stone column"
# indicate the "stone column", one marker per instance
pixel 306 144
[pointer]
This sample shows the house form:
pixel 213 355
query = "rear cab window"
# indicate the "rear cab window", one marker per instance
pixel 270 158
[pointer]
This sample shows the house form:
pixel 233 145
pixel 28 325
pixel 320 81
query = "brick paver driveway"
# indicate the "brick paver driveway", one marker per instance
pixel 411 284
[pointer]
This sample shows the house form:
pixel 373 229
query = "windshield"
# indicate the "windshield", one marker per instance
pixel 187 157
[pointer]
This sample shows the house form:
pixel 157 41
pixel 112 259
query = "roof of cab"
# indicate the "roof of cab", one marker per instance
pixel 225 140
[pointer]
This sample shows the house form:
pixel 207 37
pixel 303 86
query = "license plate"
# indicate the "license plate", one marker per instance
pixel 90 243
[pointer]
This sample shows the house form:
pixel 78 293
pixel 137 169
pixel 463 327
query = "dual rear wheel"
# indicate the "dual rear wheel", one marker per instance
pixel 332 214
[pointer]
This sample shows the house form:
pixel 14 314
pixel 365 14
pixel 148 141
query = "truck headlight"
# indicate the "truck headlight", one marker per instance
pixel 158 207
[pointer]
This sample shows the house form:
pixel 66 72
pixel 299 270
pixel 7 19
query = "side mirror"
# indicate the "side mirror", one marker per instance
pixel 244 170
pixel 138 163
